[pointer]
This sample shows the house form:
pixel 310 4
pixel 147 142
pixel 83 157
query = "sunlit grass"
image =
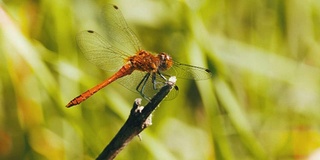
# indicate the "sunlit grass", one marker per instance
pixel 262 102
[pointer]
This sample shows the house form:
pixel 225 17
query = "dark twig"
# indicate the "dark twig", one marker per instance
pixel 139 119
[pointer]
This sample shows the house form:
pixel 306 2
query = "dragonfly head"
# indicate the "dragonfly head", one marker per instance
pixel 165 61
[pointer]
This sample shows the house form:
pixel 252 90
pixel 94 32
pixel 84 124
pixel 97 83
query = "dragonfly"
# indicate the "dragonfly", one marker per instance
pixel 119 50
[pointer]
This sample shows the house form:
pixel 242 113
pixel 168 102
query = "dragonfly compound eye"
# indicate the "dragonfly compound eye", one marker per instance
pixel 165 61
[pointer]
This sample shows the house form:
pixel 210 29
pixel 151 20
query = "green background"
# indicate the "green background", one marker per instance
pixel 261 103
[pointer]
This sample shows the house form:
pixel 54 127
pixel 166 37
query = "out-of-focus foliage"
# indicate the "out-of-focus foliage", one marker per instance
pixel 262 102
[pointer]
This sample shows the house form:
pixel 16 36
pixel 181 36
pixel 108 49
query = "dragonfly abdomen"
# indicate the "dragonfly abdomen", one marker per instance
pixel 123 71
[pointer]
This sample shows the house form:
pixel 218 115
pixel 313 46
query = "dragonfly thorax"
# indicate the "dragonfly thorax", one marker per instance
pixel 145 61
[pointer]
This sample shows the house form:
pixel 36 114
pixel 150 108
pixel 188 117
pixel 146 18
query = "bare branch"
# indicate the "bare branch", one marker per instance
pixel 139 119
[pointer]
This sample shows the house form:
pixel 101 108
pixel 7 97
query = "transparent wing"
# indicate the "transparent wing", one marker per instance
pixel 117 30
pixel 98 51
pixel 131 82
pixel 186 71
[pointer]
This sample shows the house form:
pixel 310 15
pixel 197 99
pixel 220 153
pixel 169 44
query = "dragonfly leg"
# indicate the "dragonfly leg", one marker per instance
pixel 143 82
pixel 162 76
pixel 155 82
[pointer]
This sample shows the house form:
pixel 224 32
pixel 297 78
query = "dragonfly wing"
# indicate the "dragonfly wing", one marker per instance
pixel 131 82
pixel 117 30
pixel 186 71
pixel 99 52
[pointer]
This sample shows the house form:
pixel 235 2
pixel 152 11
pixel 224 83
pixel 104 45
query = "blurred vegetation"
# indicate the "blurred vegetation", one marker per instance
pixel 262 103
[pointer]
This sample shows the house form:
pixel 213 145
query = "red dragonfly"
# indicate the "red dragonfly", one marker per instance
pixel 139 70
